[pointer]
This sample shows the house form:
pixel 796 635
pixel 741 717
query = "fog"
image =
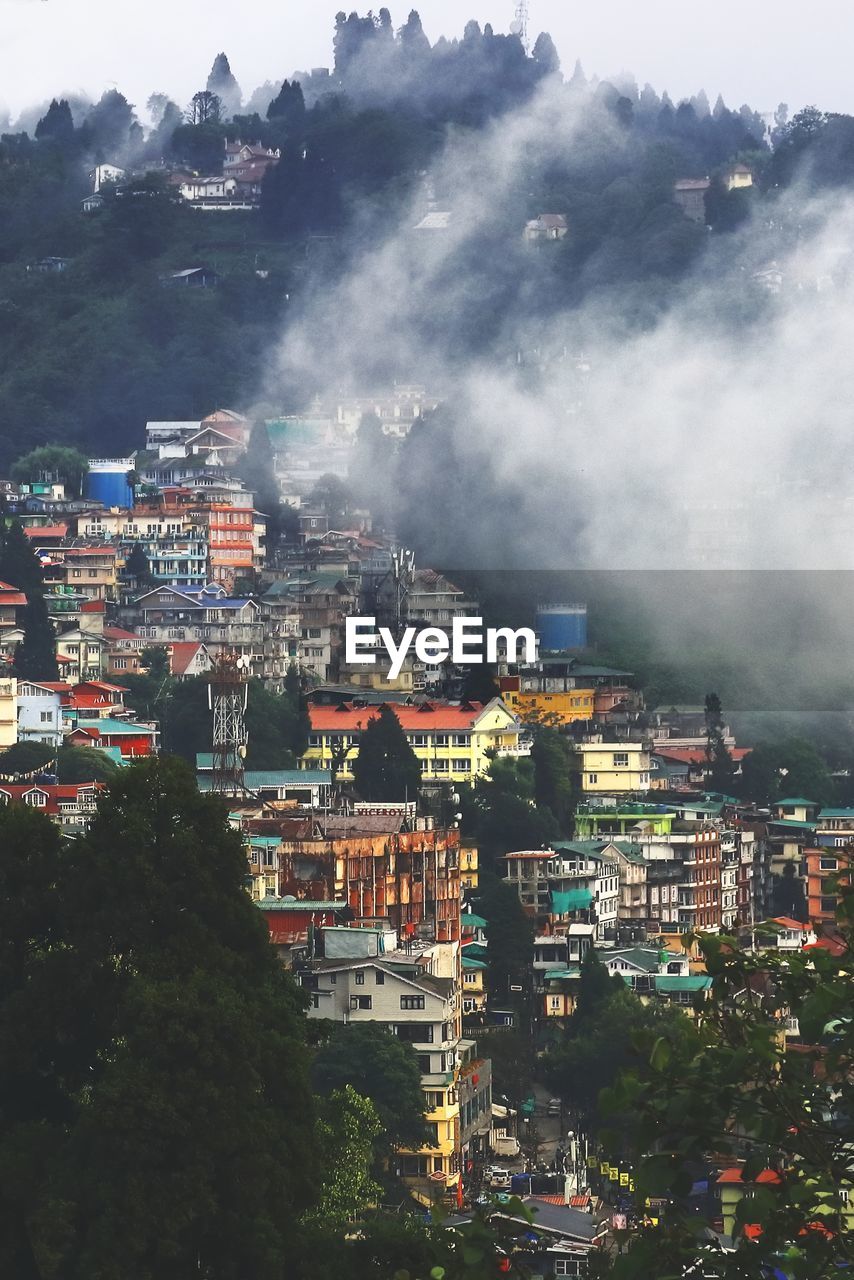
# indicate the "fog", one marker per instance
pixel 714 433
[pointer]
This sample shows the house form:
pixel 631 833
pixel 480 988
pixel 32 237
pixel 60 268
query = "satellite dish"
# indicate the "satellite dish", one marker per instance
pixel 515 27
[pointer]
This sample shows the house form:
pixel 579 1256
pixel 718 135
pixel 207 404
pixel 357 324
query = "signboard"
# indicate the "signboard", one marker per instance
pixel 624 1179
pixel 603 1167
pixel 613 1173
pixel 591 1162
pixel 513 987
pixel 618 1222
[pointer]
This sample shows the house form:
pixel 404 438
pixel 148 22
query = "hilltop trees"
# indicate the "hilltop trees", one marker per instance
pixel 53 461
pixel 368 1058
pixel 222 84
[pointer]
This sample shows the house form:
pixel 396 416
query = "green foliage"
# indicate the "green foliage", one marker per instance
pixel 744 1095
pixel 24 757
pixel 511 1053
pixel 500 812
pixel 348 1125
pixel 35 655
pixel 378 1066
pixel 85 764
pixel 386 767
pixel 510 936
pixel 53 460
pixel 155 1116
pixel 610 1032
pixel 792 767
pixel 720 769
pixel 138 567
pixel 555 788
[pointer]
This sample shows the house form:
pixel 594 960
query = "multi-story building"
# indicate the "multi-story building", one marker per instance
pixel 39 713
pixel 828 863
pixel 88 571
pixel 8 711
pixel 208 615
pixel 450 739
pixel 572 882
pixel 12 604
pixel 410 878
pixel 468 868
pixel 612 768
pixel 67 804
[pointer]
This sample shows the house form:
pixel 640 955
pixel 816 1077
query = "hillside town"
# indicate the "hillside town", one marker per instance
pixel 163 567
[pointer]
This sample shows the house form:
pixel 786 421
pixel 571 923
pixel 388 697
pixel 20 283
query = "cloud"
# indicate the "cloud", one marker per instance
pixel 718 435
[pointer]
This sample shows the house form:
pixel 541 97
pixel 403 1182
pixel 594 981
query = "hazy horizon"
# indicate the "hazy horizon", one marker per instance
pixel 51 47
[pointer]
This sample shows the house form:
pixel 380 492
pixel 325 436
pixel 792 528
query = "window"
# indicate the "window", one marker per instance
pixel 440 766
pixel 828 904
pixel 315 1000
pixel 360 977
pixel 333 978
pixel 360 1002
pixel 418 739
pixel 461 739
pixel 621 759
pixel 567 1267
pixel 828 864
pixel 461 766
pixel 37 798
pixel 440 739
pixel 379 977
pixel 412 1002
pixel 591 779
pixel 45 717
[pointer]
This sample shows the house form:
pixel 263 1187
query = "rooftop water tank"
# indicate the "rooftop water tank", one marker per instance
pixel 561 627
pixel 106 481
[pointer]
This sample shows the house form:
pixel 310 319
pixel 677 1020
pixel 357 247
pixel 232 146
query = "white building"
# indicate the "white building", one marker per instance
pixel 39 714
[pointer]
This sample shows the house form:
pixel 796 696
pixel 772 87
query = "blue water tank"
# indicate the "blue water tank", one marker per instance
pixel 106 481
pixel 561 627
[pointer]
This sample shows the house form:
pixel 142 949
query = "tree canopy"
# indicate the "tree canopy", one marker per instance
pixel 386 767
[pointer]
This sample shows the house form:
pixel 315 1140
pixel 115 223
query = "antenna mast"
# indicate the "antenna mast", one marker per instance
pixel 227 701
pixel 519 25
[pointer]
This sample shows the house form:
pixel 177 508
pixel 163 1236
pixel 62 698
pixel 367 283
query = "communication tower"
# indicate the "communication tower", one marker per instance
pixel 227 701
pixel 519 25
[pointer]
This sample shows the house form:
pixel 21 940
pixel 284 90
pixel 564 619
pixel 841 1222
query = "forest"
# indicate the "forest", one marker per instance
pixel 88 353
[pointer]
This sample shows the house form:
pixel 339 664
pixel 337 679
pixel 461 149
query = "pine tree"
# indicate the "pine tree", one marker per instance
pixel 35 655
pixel 57 124
pixel 718 759
pixel 137 566
pixel 288 107
pixel 222 83
pixel 386 768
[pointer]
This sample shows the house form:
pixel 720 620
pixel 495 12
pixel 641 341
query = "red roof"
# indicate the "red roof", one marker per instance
pixel 731 1176
pixel 182 654
pixel 11 595
pixel 835 946
pixel 695 755
pixel 46 531
pixel 94 606
pixel 53 791
pixel 412 717
pixel 787 923
pixel 117 633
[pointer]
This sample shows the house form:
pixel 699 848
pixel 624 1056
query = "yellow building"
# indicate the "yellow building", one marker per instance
pixel 611 768
pixel 474 990
pixel 560 707
pixel 8 712
pixel 468 867
pixel 738 177
pixel 450 739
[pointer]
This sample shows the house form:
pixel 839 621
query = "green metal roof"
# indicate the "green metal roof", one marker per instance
pixel 679 982
pixel 109 725
pixel 798 800
pixel 475 951
pixel 792 822
pixel 836 813
pixel 571 971
pixel 584 848
pixel 645 958
pixel 470 963
pixel 477 922
pixel 570 900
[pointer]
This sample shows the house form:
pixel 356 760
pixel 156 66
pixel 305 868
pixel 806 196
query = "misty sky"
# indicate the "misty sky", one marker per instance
pixel 755 52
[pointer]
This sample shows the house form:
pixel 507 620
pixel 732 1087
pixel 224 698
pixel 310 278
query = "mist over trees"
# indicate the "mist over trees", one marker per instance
pixel 86 355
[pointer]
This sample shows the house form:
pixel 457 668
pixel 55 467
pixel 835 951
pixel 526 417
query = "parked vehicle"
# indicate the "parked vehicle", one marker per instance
pixel 499 1179
pixel 504 1144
